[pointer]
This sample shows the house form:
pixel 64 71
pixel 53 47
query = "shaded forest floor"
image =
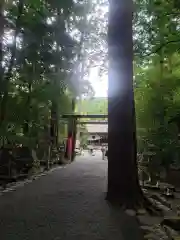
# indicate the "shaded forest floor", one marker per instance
pixel 9 183
pixel 166 223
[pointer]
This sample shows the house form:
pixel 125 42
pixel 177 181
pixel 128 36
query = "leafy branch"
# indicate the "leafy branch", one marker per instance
pixel 161 46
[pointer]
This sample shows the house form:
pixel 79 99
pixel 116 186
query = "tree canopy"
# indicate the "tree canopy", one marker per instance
pixel 156 70
pixel 42 50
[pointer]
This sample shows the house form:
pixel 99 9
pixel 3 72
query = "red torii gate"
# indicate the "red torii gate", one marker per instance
pixel 72 130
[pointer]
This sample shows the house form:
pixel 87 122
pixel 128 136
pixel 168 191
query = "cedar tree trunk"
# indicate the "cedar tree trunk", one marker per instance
pixel 123 184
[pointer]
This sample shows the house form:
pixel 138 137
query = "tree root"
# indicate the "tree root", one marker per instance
pixel 139 201
pixel 151 208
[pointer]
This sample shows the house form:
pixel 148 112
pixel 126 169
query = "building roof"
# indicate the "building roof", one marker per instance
pixel 97 128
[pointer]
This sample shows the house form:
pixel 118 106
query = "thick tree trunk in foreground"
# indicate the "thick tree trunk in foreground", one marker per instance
pixel 123 184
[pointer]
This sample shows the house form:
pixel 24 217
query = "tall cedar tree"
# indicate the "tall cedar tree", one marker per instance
pixel 123 184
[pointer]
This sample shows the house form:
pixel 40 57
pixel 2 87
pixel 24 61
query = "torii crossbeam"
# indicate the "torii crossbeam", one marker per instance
pixel 100 116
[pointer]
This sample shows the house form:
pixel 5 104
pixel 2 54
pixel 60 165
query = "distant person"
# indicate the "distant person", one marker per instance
pixel 103 150
pixel 106 154
pixel 91 150
pixel 82 152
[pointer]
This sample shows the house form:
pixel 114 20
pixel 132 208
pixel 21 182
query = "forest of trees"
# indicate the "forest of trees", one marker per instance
pixel 157 84
pixel 47 49
pixel 44 66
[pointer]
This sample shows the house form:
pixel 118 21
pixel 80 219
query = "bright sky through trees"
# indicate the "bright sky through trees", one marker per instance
pixel 100 85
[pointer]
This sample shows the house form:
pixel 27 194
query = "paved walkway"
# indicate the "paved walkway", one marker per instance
pixel 66 204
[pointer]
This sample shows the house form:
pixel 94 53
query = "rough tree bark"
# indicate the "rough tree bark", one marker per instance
pixel 123 183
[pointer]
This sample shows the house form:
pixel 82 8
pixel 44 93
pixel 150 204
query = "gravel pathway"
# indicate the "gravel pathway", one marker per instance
pixel 66 204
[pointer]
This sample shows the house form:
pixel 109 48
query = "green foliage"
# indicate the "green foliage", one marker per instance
pixel 157 81
pixel 92 106
pixel 38 67
pixel 156 27
pixel 157 104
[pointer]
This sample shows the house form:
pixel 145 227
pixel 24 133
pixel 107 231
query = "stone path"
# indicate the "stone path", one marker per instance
pixel 66 204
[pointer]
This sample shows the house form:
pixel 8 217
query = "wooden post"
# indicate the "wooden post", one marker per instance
pixel 74 138
pixel 71 123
